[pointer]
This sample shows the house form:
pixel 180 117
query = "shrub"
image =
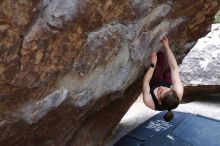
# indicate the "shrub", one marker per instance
pixel 217 19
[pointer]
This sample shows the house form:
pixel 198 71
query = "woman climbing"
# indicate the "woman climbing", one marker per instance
pixel 162 88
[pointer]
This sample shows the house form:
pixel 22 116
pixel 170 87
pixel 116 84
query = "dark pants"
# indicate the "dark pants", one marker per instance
pixel 162 71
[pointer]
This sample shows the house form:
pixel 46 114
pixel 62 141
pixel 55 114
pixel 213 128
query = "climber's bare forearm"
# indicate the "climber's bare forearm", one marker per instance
pixel 171 58
pixel 148 75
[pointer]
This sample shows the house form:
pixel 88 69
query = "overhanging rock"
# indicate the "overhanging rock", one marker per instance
pixel 70 69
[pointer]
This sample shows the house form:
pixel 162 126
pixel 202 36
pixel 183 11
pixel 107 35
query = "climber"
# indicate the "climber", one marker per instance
pixel 162 87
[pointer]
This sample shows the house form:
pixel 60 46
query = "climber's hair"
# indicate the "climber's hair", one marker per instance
pixel 170 101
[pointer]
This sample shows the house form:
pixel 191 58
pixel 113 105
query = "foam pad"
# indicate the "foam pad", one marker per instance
pixel 166 140
pixel 156 125
pixel 129 141
pixel 199 130
pixel 184 130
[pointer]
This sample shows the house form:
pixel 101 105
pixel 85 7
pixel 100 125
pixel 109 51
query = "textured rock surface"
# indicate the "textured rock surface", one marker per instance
pixel 202 64
pixel 200 68
pixel 218 13
pixel 70 69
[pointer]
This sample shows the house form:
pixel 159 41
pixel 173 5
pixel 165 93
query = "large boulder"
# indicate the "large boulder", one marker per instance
pixel 202 64
pixel 200 69
pixel 70 69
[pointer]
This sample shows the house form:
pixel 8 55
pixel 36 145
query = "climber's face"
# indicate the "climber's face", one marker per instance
pixel 161 92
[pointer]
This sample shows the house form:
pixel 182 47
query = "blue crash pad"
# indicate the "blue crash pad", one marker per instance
pixel 199 130
pixel 184 130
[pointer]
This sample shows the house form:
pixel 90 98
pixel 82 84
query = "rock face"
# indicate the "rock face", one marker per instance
pixel 200 68
pixel 202 64
pixel 70 69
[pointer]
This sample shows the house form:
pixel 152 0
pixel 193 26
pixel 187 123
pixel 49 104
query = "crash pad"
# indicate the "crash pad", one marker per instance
pixel 184 130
